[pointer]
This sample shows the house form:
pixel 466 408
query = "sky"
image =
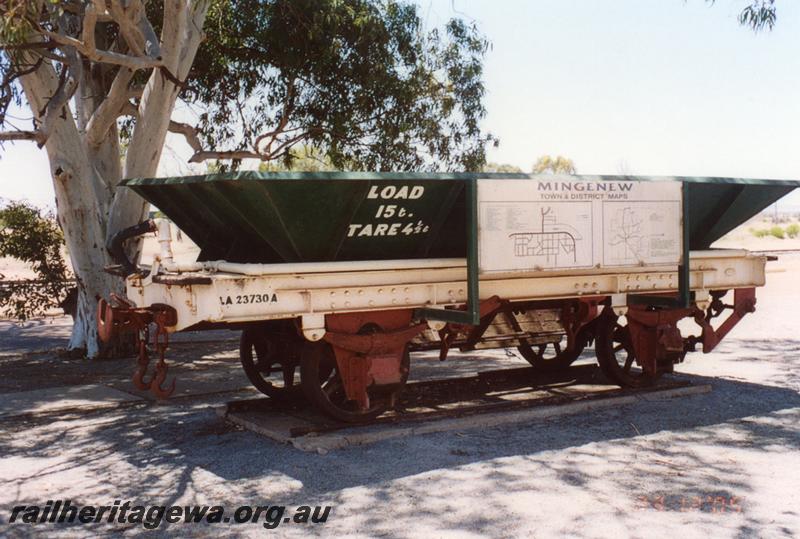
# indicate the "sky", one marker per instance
pixel 650 87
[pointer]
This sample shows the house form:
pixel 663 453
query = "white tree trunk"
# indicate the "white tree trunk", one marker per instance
pixel 81 197
pixel 180 39
pixel 89 207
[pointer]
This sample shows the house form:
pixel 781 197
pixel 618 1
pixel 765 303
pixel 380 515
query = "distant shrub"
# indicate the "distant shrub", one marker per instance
pixel 759 232
pixel 33 237
pixel 793 230
pixel 777 232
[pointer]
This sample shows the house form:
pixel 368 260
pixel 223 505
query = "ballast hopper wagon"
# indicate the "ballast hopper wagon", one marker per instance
pixel 335 279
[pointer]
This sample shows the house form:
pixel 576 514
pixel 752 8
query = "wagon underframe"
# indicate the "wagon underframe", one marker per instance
pixel 361 323
pixel 218 297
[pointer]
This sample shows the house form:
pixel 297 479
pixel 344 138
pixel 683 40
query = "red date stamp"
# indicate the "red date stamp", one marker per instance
pixel 705 503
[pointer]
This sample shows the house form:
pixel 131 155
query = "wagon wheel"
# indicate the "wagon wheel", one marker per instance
pixel 616 355
pixel 550 356
pixel 271 369
pixel 326 391
pixel 554 356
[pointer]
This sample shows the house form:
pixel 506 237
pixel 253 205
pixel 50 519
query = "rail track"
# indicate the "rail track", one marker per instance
pixel 504 390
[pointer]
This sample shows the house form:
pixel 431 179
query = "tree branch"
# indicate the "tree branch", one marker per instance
pixel 181 36
pixel 106 114
pixel 152 46
pixel 76 9
pixel 89 24
pixel 49 45
pixel 286 145
pixel 225 155
pixel 67 86
pixel 135 92
pixel 103 56
pixel 136 29
pixel 50 55
pixel 35 136
pixel 200 154
pixel 288 106
pixel 189 133
pixel 12 75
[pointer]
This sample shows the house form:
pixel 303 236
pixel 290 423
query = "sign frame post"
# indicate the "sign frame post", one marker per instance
pixel 472 315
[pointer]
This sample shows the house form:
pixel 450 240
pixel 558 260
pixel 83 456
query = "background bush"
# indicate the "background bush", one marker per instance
pixel 777 232
pixel 29 235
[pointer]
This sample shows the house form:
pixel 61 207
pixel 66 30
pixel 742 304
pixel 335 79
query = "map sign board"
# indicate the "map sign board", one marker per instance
pixel 566 223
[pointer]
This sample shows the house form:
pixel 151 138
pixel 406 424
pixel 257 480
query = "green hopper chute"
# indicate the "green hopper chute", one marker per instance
pixel 316 217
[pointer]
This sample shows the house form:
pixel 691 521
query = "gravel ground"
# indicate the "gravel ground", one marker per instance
pixel 723 464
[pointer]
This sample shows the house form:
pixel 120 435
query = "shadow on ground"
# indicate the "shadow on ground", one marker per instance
pixel 673 447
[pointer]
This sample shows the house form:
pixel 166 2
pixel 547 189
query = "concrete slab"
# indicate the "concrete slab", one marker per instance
pixel 356 436
pixel 62 399
pixel 675 393
pixel 425 410
pixel 281 427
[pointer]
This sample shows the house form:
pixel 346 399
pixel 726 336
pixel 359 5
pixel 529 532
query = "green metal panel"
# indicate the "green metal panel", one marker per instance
pixel 285 220
pixel 305 217
pixel 715 209
pixel 472 314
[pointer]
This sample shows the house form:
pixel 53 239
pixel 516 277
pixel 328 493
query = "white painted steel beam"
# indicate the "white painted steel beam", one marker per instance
pixel 381 285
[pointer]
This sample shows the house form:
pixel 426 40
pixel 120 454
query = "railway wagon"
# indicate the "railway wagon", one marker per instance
pixel 335 279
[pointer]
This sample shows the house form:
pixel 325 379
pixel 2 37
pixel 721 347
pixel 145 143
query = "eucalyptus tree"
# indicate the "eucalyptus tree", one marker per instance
pixel 759 14
pixel 559 164
pixel 363 81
